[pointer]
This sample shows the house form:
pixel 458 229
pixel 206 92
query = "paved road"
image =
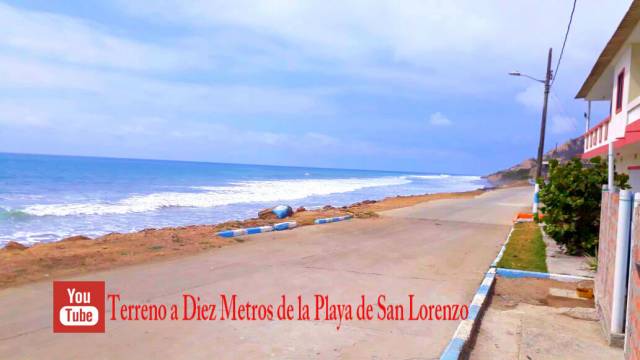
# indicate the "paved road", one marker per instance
pixel 437 251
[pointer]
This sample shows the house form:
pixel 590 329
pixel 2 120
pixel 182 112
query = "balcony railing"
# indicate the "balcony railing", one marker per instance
pixel 597 135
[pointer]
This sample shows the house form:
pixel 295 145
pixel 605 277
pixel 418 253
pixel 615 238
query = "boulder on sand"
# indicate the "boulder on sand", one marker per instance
pixel 301 209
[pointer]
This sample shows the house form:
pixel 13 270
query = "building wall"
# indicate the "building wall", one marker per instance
pixel 634 83
pixel 606 256
pixel 627 161
pixel 632 345
pixel 619 119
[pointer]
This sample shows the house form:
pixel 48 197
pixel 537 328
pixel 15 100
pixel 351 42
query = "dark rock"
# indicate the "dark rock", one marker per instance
pixel 12 245
pixel 301 209
pixel 76 238
pixel 267 214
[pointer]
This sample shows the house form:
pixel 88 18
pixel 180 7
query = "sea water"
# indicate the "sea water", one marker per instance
pixel 46 198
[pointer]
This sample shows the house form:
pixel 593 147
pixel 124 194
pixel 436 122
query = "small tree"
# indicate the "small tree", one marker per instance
pixel 571 198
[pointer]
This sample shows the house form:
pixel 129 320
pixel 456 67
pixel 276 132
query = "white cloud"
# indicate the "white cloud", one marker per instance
pixel 122 90
pixel 69 39
pixel 437 119
pixel 531 97
pixel 563 124
pixel 412 31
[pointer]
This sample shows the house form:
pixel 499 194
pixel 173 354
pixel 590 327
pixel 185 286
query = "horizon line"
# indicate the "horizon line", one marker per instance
pixel 229 163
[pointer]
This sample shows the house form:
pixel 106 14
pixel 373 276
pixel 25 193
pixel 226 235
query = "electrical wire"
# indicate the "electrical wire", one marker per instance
pixel 566 35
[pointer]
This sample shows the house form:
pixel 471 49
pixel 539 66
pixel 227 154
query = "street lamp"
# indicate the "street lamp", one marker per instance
pixel 518 73
pixel 543 123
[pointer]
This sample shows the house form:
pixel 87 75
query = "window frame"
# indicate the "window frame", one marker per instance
pixel 619 90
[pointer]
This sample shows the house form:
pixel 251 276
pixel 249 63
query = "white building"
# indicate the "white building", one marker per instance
pixel 615 77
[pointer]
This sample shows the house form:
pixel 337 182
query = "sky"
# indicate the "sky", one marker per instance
pixel 390 85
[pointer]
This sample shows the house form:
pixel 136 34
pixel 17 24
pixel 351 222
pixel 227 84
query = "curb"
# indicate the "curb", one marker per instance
pixel 285 225
pixel 518 274
pixel 278 227
pixel 245 231
pixel 332 219
pixel 494 264
pixel 258 229
pixel 462 336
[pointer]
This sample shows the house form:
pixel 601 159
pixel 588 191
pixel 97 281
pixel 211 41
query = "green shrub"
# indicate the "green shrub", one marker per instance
pixel 571 198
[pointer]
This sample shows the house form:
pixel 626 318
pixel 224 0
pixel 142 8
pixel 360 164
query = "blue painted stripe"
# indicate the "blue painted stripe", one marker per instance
pixel 247 231
pixel 483 290
pixel 333 219
pixel 280 227
pixel 227 233
pixel 515 274
pixel 453 350
pixel 473 312
pixel 285 225
pixel 254 230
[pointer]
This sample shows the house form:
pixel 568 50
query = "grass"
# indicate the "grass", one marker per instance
pixel 526 250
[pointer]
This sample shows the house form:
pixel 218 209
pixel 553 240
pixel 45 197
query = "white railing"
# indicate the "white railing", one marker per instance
pixel 597 135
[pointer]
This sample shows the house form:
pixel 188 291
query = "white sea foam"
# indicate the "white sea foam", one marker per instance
pixel 210 196
pixel 445 176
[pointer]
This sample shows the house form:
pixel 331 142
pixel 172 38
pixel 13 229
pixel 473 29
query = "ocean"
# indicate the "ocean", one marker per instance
pixel 46 198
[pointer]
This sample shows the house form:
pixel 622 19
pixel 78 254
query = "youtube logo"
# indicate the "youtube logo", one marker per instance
pixel 78 307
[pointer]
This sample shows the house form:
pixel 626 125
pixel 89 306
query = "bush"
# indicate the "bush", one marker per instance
pixel 571 198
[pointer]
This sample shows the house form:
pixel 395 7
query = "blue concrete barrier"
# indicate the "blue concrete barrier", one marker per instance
pixel 258 230
pixel 285 225
pixel 332 219
pixel 247 231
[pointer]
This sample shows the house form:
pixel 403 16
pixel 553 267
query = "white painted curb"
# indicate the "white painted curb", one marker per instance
pixel 245 231
pixel 332 219
pixel 461 337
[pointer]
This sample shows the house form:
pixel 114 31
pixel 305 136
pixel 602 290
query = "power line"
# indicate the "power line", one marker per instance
pixel 566 35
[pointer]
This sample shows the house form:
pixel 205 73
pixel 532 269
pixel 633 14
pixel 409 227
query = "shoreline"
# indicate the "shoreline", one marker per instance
pixel 80 254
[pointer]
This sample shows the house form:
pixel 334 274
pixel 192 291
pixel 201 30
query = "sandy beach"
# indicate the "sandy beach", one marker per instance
pixel 80 254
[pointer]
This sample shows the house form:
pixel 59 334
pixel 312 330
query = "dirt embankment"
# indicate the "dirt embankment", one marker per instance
pixel 80 254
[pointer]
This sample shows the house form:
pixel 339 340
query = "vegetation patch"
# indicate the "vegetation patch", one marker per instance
pixel 571 196
pixel 525 250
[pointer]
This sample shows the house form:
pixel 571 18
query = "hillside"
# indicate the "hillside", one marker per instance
pixel 526 169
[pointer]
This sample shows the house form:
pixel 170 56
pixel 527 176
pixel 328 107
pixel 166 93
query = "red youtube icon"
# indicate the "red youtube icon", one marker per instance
pixel 78 306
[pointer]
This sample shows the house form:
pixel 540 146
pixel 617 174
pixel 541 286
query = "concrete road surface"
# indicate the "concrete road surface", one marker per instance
pixel 437 251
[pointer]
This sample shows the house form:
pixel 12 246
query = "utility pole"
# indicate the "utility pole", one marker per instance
pixel 543 123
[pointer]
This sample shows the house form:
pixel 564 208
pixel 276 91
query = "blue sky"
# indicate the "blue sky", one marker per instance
pixel 393 85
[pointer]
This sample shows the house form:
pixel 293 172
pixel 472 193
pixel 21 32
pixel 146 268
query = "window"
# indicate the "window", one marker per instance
pixel 619 91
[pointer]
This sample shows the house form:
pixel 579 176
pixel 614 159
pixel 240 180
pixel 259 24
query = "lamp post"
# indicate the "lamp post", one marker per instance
pixel 543 123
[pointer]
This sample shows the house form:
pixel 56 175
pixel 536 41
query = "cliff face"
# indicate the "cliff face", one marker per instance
pixel 525 170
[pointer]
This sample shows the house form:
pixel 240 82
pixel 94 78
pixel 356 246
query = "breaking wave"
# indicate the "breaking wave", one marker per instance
pixel 211 196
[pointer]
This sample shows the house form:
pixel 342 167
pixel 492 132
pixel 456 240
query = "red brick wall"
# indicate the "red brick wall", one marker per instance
pixel 632 348
pixel 606 256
